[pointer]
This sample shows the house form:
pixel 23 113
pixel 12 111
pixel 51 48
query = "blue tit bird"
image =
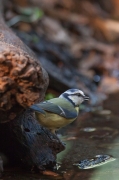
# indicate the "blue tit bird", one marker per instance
pixel 59 112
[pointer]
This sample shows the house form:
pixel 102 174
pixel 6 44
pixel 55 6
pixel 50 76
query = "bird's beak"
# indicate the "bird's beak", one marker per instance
pixel 86 98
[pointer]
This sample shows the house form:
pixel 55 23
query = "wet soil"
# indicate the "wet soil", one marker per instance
pixel 94 133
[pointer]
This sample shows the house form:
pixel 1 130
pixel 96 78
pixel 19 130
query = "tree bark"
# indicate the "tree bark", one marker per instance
pixel 23 81
pixel 26 143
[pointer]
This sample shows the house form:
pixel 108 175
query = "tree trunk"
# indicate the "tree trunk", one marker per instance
pixel 22 79
pixel 23 82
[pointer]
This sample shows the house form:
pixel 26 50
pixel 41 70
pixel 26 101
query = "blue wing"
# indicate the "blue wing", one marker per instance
pixel 35 107
pixel 68 113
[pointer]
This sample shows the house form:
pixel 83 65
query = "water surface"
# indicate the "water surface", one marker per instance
pixel 94 133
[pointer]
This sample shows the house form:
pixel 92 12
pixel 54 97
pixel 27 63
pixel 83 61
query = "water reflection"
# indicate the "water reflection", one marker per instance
pixel 88 137
pixel 109 171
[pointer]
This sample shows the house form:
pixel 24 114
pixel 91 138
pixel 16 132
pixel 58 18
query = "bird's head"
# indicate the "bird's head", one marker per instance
pixel 75 96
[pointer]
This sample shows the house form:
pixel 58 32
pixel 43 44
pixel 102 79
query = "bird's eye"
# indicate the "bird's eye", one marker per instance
pixel 78 95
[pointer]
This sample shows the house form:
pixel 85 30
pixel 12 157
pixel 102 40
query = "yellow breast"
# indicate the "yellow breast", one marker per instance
pixel 52 121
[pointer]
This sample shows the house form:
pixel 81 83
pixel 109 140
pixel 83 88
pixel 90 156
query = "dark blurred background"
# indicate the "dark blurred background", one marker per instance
pixel 77 42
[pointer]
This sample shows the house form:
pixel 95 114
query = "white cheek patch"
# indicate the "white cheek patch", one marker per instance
pixel 76 100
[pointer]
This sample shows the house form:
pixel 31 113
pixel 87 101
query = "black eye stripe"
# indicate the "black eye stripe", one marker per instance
pixel 75 94
pixel 78 94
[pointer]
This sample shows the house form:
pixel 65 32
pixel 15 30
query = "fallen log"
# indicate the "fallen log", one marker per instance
pixel 23 82
pixel 28 144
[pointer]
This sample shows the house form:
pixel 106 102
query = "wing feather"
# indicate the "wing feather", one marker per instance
pixel 36 108
pixel 57 106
